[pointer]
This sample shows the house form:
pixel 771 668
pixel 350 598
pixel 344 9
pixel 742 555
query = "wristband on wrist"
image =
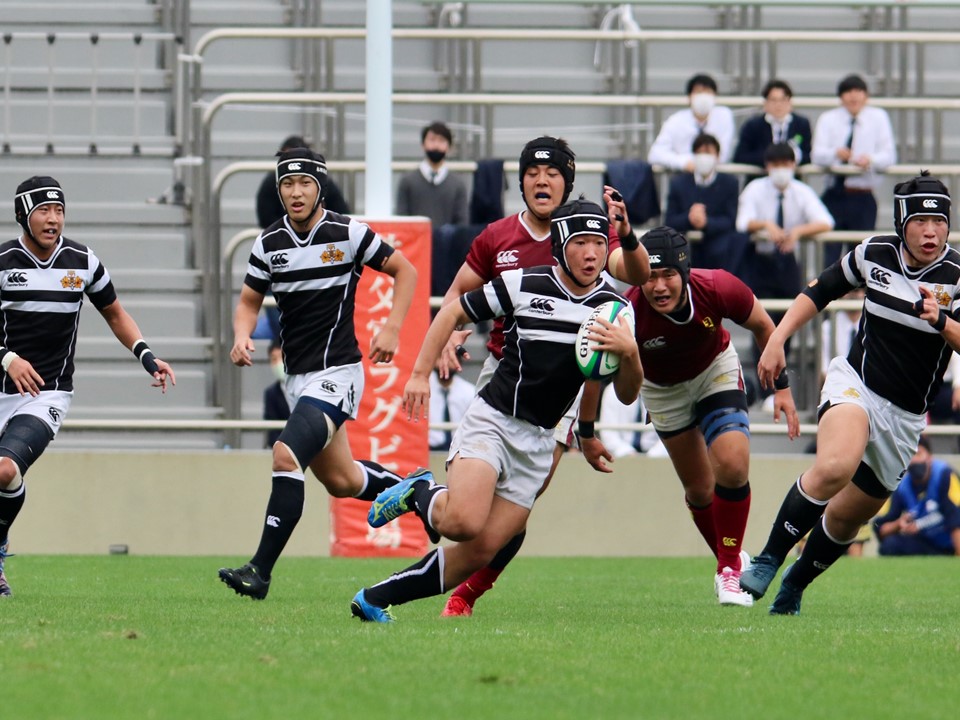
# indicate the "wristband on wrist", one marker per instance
pixel 629 241
pixel 146 357
pixel 782 381
pixel 941 322
pixel 585 429
pixel 7 356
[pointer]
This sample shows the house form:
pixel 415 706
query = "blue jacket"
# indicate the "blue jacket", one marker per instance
pixel 934 509
pixel 722 246
pixel 756 136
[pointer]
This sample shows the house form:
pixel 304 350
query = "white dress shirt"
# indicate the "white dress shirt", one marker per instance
pixel 457 398
pixel 760 200
pixel 673 147
pixel 872 136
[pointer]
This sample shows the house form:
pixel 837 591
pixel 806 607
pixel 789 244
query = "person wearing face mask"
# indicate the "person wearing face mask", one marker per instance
pixel 777 123
pixel 706 201
pixel 922 516
pixel 276 405
pixel 671 149
pixel 777 211
pixel 432 190
pixel 858 135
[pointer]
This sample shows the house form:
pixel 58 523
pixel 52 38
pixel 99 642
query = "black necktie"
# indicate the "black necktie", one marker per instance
pixel 839 180
pixel 780 211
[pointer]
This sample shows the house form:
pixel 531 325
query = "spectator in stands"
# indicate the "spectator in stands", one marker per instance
pixel 312 260
pixel 706 200
pixel 432 190
pixel 859 135
pixel 276 406
pixel 269 207
pixel 449 398
pixel 45 277
pixel 671 149
pixel 838 343
pixel 777 123
pixel 922 517
pixel 777 211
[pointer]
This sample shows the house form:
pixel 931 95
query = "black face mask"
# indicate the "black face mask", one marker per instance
pixel 918 470
pixel 435 156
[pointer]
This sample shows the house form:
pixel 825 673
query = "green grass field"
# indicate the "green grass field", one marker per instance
pixel 142 637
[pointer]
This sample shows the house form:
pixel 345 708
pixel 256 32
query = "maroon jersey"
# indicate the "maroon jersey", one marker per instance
pixel 674 351
pixel 509 244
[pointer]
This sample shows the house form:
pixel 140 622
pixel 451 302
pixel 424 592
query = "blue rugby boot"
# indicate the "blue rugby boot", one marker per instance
pixel 788 598
pixel 367 612
pixel 758 576
pixel 5 590
pixel 397 500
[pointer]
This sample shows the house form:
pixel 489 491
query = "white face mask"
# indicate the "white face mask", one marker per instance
pixel 704 164
pixel 278 371
pixel 781 176
pixel 702 103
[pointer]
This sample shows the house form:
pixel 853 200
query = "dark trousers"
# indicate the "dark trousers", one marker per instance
pixel 851 210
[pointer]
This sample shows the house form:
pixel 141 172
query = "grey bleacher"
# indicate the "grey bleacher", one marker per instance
pixel 115 200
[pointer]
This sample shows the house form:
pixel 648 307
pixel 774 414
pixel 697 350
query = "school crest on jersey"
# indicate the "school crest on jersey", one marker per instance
pixel 941 296
pixel 71 281
pixel 708 324
pixel 332 254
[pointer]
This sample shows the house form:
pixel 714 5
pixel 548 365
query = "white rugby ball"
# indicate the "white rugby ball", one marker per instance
pixel 594 364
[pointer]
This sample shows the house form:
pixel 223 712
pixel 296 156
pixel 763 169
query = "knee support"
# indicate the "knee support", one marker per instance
pixel 308 431
pixel 723 412
pixel 24 439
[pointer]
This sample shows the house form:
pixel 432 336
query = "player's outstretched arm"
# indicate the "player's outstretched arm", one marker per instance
pixel 244 322
pixel 416 394
pixel 385 343
pixel 125 329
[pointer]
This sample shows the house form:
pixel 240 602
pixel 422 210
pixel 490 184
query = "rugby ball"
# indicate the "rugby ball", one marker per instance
pixel 594 364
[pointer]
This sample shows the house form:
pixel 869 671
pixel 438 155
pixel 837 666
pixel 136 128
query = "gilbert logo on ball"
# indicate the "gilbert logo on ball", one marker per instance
pixel 595 364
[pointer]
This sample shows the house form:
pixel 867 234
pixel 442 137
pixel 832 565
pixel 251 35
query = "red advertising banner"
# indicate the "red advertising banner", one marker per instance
pixel 381 431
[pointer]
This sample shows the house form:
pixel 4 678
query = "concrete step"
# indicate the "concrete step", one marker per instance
pixel 127 385
pixel 102 14
pixel 173 349
pixel 155 318
pixel 137 250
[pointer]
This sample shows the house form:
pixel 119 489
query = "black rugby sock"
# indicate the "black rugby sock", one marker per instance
pixel 378 479
pixel 798 514
pixel 283 513
pixel 420 580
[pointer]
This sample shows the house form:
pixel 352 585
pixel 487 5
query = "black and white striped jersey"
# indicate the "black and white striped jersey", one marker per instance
pixel 314 281
pixel 40 306
pixel 898 355
pixel 538 378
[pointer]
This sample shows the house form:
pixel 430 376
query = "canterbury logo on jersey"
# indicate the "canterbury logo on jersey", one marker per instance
pixel 880 276
pixel 654 343
pixel 542 305
pixel 278 259
pixel 17 278
pixel 507 257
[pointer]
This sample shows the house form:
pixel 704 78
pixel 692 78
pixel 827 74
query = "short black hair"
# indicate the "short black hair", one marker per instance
pixel 703 80
pixel 293 141
pixel 776 84
pixel 437 128
pixel 704 139
pixel 924 442
pixel 779 152
pixel 851 82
